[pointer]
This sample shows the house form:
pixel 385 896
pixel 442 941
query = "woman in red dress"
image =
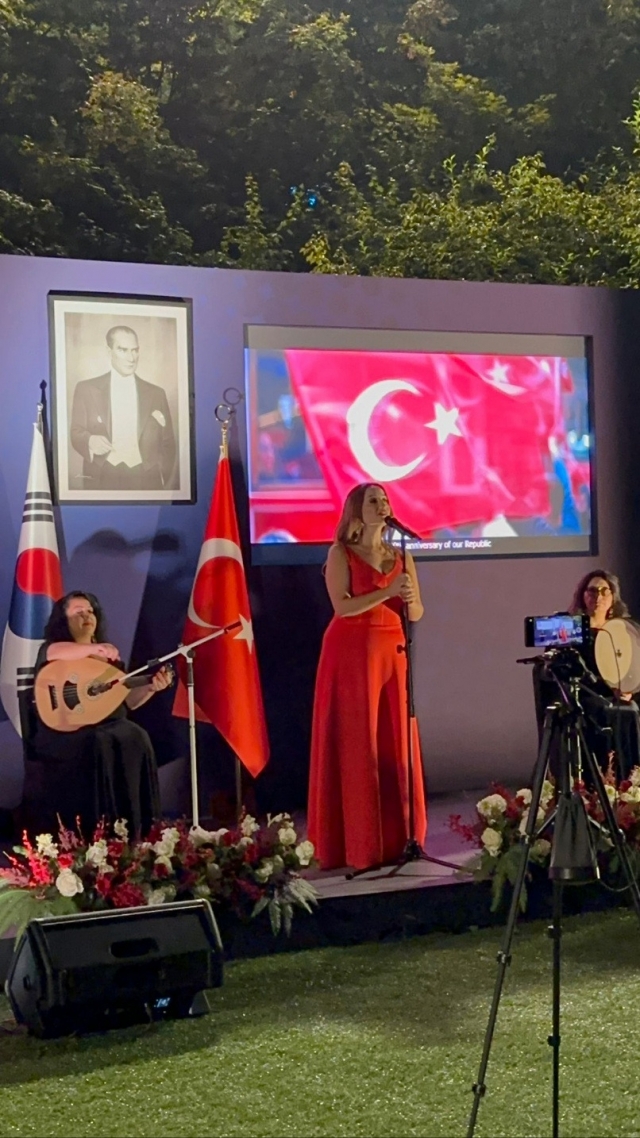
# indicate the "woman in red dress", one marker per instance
pixel 358 793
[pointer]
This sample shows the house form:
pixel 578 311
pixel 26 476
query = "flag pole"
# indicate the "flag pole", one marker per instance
pixel 224 453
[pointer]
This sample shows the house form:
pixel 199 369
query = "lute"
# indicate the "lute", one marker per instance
pixel 71 694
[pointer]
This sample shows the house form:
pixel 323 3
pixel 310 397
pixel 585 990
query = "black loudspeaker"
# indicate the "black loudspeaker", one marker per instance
pixel 93 971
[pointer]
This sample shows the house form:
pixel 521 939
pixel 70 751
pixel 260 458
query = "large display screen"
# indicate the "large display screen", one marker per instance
pixel 483 442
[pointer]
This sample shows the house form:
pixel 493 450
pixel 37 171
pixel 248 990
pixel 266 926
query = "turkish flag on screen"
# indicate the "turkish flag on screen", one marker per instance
pixel 457 439
pixel 226 679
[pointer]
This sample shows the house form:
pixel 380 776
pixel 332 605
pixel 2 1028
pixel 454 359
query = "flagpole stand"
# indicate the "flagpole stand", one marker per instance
pixel 193 746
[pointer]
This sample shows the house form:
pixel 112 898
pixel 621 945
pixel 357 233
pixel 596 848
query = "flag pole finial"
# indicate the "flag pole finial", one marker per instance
pixel 41 406
pixel 224 413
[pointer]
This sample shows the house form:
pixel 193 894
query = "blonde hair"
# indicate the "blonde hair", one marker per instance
pixel 351 525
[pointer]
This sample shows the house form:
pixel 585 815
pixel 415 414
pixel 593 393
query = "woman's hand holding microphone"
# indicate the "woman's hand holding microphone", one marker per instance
pixel 402 586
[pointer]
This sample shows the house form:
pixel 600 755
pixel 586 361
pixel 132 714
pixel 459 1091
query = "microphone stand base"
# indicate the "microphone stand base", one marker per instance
pixel 412 852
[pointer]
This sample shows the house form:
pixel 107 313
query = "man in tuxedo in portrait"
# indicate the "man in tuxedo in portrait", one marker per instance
pixel 121 424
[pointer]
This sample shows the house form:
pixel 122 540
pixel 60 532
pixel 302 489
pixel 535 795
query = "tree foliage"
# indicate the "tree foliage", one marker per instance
pixel 487 139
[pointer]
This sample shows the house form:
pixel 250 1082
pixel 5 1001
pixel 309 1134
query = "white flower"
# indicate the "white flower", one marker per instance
pixel 612 793
pixel 162 859
pixel 525 818
pixel 168 841
pixel 305 852
pixel 548 791
pixel 264 870
pixel 287 836
pixel 274 819
pixel 248 826
pixel 121 829
pixel 46 846
pixel 491 807
pixel 278 863
pixel 97 855
pixel 68 883
pixel 635 776
pixel 201 890
pixel 540 849
pixel 156 897
pixel 200 837
pixel 631 795
pixel 524 796
pixel 492 841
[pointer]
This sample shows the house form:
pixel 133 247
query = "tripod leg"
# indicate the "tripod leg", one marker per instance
pixel 555 931
pixel 504 955
pixel 615 833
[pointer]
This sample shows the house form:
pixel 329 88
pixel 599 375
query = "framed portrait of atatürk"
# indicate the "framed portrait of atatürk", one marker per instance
pixel 122 398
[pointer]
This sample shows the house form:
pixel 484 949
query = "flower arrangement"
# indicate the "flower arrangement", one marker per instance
pixel 501 820
pixel 249 868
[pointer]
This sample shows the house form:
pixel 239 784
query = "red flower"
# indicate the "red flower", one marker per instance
pixel 514 809
pixel 126 895
pixel 103 884
pixel 625 816
pixel 65 860
pixel 252 891
pixel 469 833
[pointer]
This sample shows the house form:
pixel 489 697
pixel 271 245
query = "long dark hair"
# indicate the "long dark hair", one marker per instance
pixel 57 626
pixel 617 607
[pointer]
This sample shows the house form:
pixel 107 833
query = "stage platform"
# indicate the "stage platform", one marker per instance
pixel 422 897
pixel 372 906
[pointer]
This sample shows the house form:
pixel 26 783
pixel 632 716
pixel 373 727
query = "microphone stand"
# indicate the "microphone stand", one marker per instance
pixel 412 851
pixel 188 652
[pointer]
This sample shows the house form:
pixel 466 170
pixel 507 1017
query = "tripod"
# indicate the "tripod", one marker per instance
pixel 412 851
pixel 572 855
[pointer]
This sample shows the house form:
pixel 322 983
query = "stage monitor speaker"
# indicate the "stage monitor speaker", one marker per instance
pixel 93 971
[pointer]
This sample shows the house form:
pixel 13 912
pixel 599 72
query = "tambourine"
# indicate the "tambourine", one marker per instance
pixel 617 652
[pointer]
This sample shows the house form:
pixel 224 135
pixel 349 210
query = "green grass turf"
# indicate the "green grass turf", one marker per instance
pixel 374 1040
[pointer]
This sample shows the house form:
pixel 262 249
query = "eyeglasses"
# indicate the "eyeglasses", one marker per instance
pixel 596 591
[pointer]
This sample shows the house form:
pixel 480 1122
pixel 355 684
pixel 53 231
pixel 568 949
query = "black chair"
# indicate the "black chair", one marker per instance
pixel 34 792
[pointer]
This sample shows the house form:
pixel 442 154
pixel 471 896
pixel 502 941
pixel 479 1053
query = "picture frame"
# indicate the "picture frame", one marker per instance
pixel 121 371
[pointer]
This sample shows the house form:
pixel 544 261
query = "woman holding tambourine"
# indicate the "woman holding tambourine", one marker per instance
pixel 613 652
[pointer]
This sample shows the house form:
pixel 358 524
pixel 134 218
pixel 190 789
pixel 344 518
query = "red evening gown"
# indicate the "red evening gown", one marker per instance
pixel 358 793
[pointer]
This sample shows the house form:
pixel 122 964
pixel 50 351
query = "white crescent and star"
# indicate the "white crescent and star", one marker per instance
pixel 359 418
pixel 220 547
pixel 445 423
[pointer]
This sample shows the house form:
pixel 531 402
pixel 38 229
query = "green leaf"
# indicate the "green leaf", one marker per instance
pixel 260 905
pixel 19 906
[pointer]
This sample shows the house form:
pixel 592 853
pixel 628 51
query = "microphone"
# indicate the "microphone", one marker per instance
pixel 393 523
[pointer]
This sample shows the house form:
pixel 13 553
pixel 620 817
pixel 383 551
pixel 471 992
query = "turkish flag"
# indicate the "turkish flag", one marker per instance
pixel 226 678
pixel 456 439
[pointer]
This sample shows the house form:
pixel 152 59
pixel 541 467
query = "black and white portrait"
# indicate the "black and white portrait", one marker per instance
pixel 122 399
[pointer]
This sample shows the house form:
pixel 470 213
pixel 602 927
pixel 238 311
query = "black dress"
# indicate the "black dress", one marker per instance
pixel 105 771
pixel 607 730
